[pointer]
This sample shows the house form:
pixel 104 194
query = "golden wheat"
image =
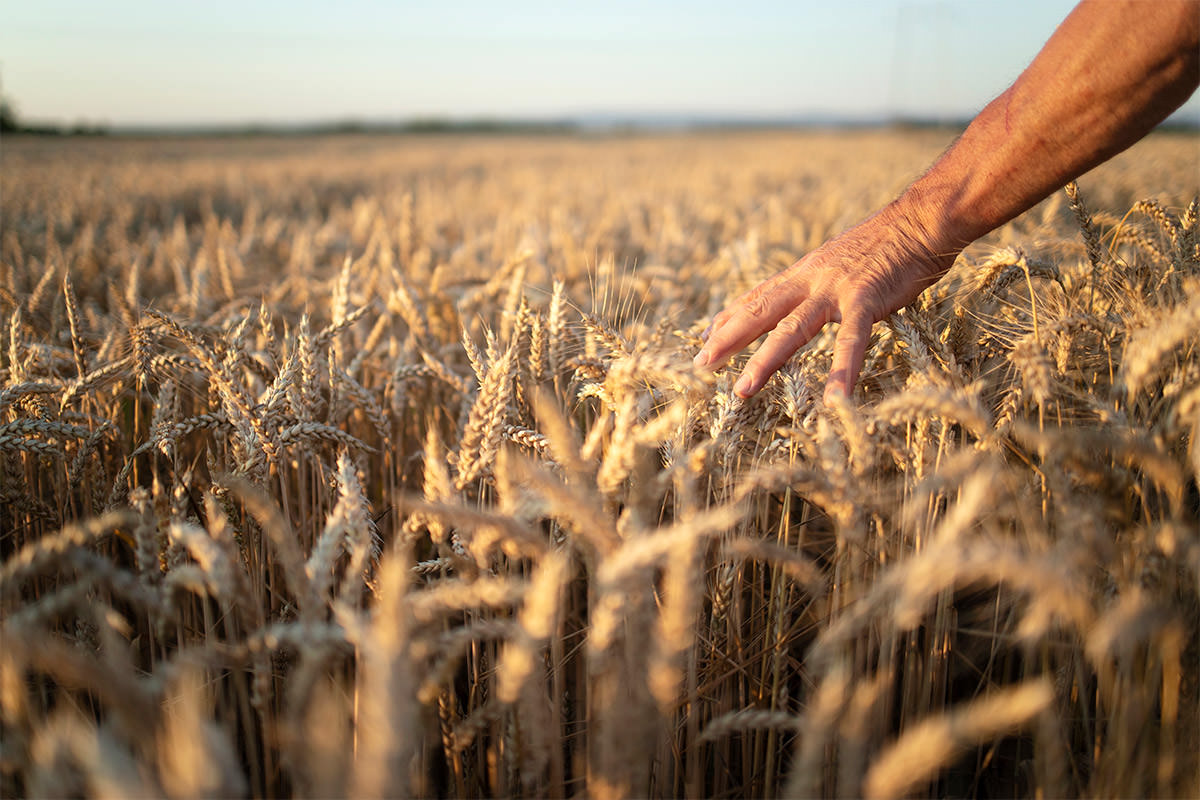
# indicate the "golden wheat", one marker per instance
pixel 379 467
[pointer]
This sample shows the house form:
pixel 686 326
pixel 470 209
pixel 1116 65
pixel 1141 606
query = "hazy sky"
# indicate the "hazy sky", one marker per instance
pixel 127 62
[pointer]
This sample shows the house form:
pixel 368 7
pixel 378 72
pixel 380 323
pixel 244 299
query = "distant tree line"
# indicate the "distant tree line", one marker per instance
pixel 10 122
pixel 431 125
pixel 8 118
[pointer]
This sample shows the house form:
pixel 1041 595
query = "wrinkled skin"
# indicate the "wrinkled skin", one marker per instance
pixel 856 279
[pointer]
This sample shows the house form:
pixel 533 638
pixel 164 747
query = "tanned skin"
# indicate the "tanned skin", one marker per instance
pixel 1112 71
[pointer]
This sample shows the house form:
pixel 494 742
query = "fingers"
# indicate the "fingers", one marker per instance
pixel 755 313
pixel 723 316
pixel 849 352
pixel 792 308
pixel 790 334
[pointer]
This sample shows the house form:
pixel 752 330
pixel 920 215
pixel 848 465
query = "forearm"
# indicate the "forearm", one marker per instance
pixel 1110 73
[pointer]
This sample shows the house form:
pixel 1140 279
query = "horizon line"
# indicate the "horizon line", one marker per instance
pixel 579 122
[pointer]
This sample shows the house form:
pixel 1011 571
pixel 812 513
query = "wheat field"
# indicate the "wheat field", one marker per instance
pixel 378 467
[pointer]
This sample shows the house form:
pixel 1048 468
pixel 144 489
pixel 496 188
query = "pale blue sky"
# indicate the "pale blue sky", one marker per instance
pixel 127 62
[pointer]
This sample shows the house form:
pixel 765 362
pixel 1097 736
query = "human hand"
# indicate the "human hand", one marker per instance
pixel 857 278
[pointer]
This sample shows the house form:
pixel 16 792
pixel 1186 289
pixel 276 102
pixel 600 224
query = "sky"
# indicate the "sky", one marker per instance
pixel 220 62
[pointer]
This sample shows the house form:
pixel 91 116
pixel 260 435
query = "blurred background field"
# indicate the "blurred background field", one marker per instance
pixel 376 465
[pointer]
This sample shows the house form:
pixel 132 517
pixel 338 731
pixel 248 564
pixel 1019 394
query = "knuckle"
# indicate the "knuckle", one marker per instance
pixel 790 327
pixel 757 305
pixel 853 335
pixel 858 318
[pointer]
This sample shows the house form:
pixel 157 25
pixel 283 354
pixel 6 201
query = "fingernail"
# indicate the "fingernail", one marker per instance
pixel 745 385
pixel 705 333
pixel 701 359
